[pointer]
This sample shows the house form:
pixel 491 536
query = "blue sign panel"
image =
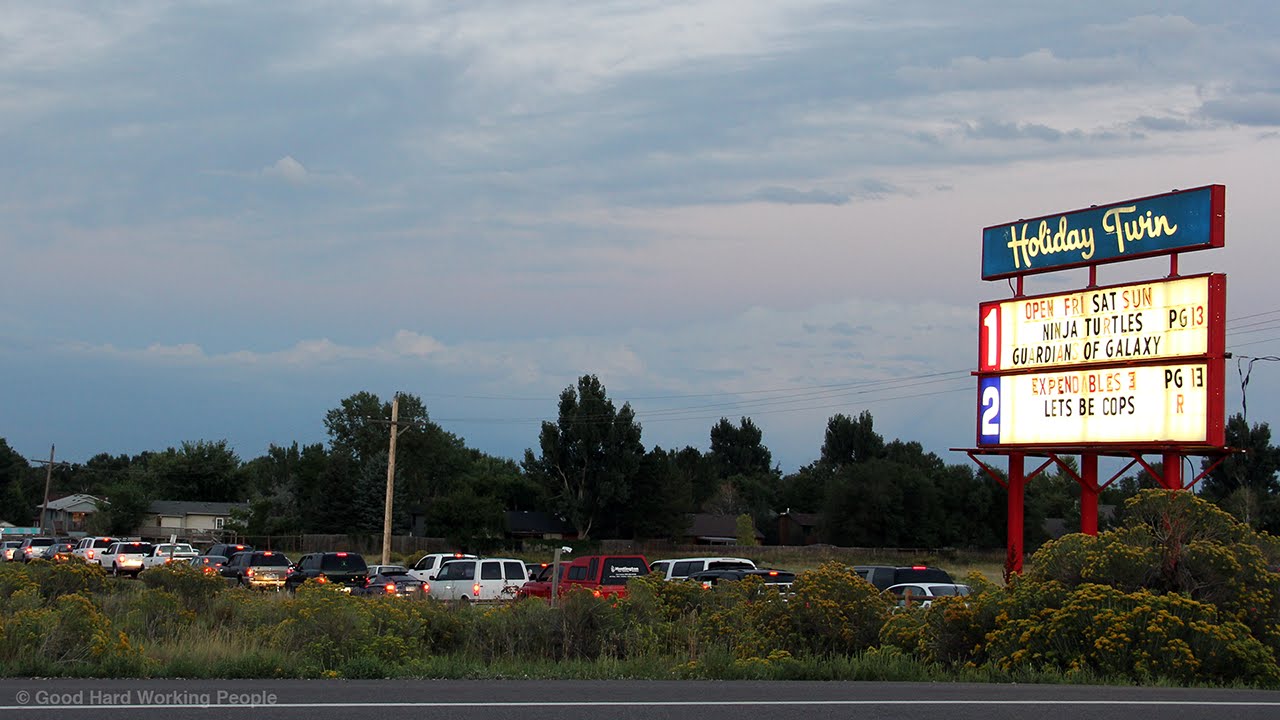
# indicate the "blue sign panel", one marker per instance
pixel 1158 225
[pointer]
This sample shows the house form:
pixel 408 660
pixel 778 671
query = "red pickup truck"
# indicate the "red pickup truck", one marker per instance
pixel 604 575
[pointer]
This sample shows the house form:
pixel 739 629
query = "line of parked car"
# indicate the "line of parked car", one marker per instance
pixel 452 577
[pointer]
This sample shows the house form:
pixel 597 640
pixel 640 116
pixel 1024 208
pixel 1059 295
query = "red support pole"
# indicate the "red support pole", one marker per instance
pixel 1089 494
pixel 1017 485
pixel 1172 471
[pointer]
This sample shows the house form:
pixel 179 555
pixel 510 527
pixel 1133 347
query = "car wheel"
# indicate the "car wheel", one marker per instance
pixel 465 600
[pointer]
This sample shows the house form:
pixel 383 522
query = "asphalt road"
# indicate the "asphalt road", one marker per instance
pixel 574 700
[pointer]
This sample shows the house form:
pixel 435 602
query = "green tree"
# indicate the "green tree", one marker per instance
pixel 16 504
pixel 200 471
pixel 589 458
pixel 661 498
pixel 1245 483
pixel 848 441
pixel 748 482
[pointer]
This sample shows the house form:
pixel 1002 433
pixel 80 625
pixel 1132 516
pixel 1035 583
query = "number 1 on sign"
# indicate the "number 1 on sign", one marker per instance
pixel 990 341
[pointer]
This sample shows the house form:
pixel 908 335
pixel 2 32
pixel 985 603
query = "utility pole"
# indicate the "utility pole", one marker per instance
pixel 391 482
pixel 48 480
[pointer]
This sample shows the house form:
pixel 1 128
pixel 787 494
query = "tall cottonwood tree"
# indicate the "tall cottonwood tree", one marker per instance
pixel 588 459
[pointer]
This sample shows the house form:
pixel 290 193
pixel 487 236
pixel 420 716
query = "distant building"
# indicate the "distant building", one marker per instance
pixel 187 519
pixel 708 529
pixel 69 515
pixel 797 528
pixel 535 525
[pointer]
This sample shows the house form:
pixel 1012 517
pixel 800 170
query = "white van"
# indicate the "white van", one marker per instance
pixel 428 565
pixel 478 580
pixel 681 568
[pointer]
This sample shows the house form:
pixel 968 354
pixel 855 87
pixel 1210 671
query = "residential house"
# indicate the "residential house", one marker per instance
pixel 69 515
pixel 708 529
pixel 535 525
pixel 187 519
pixel 797 528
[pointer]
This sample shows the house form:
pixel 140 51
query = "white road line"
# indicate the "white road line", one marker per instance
pixel 652 703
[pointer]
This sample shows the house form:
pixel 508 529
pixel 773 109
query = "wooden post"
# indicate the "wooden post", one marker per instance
pixel 48 481
pixel 391 483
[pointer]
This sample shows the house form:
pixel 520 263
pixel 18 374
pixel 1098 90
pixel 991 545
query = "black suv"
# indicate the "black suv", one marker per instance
pixel 780 579
pixel 884 576
pixel 345 569
pixel 259 569
pixel 227 550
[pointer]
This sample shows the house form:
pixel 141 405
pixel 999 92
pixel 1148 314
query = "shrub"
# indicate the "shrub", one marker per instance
pixel 836 611
pixel 194 587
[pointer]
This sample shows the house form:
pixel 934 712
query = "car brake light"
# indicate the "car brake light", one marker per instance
pixel 919 567
pixel 475 589
pixel 249 572
pixel 457 554
pixel 267 553
pixel 342 554
pixel 391 588
pixel 773 573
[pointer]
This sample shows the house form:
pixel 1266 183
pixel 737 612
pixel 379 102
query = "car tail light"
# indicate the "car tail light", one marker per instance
pixel 596 593
pixel 391 588
pixel 249 572
pixel 475 589
pixel 322 579
pixel 89 555
pixel 425 588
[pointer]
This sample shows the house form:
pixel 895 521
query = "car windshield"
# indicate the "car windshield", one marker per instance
pixel 270 560
pixel 175 549
pixel 394 571
pixel 343 562
pixel 134 548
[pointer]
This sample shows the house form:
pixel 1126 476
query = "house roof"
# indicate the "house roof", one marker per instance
pixel 191 507
pixel 805 519
pixel 75 503
pixel 533 522
pixel 705 525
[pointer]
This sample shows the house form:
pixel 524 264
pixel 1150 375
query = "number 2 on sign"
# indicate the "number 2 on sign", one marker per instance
pixel 989 427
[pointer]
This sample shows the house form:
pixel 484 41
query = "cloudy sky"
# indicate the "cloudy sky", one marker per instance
pixel 218 219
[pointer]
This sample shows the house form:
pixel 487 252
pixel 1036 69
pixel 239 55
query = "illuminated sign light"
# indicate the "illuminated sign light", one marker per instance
pixel 1159 225
pixel 1142 321
pixel 1149 404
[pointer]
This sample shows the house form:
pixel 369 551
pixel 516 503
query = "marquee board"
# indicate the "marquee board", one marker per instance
pixel 1160 320
pixel 1139 405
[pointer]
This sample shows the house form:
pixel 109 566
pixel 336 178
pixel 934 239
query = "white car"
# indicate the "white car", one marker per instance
pixel 124 558
pixel 478 580
pixel 682 568
pixel 165 553
pixel 429 565
pixel 89 548
pixel 923 594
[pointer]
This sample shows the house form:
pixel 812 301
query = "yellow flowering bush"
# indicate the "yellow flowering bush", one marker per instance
pixel 836 611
